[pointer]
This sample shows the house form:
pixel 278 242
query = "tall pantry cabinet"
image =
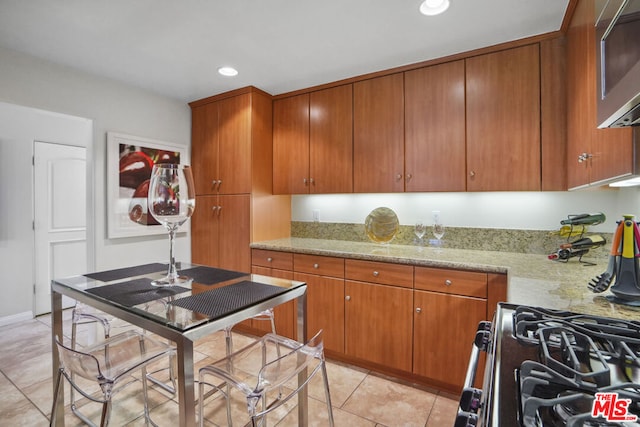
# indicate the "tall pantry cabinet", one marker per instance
pixel 231 152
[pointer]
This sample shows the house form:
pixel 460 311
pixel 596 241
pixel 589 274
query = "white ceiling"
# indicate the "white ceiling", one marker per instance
pixel 174 47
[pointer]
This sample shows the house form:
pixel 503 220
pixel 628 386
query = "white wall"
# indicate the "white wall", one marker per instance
pixel 511 210
pixel 31 82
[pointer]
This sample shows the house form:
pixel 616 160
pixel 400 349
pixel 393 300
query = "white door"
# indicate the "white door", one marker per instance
pixel 60 226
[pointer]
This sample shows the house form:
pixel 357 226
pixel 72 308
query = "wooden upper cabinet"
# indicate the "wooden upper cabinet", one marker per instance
pixel 435 157
pixel 593 155
pixel 312 142
pixel 234 139
pixel 204 148
pixel 291 145
pixel 378 135
pixel 503 120
pixel 553 114
pixel 331 140
pixel 222 130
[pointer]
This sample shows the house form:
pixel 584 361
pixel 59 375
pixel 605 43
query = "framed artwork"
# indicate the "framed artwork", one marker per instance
pixel 129 163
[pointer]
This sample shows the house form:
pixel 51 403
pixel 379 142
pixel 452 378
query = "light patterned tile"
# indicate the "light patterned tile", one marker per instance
pixel 390 403
pixel 443 412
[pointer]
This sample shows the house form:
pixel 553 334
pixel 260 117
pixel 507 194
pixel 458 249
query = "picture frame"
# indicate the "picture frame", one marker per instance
pixel 129 163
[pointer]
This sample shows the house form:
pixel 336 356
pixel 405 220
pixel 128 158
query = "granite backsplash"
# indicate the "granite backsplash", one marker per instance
pixel 486 239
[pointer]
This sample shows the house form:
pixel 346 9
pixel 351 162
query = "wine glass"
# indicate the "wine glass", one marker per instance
pixel 419 230
pixel 172 200
pixel 438 227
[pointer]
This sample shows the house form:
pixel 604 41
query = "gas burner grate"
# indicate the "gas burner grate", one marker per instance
pixel 616 340
pixel 527 320
pixel 549 398
pixel 574 355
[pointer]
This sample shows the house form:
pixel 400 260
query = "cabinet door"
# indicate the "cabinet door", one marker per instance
pixel 331 140
pixel 503 120
pixel 580 93
pixel 325 309
pixel 378 324
pixel 444 329
pixel 204 147
pixel 291 145
pixel 378 135
pixel 435 152
pixel 284 314
pixel 234 141
pixel 608 151
pixel 234 235
pixel 204 231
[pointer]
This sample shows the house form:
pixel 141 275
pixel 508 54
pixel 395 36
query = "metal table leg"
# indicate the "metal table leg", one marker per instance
pixel 186 388
pixel 303 398
pixel 56 330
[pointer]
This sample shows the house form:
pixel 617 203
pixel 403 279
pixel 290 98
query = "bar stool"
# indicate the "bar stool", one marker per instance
pixel 256 370
pixel 82 314
pixel 266 315
pixel 107 363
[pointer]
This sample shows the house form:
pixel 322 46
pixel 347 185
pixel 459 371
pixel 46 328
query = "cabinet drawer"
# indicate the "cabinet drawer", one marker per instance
pixel 469 283
pixel 320 265
pixel 272 259
pixel 379 272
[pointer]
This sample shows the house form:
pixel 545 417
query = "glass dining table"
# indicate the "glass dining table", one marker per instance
pixel 213 300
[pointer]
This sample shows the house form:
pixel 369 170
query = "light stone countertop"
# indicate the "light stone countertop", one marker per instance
pixel 533 279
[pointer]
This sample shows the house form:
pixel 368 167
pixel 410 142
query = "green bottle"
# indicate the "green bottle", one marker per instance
pixel 585 219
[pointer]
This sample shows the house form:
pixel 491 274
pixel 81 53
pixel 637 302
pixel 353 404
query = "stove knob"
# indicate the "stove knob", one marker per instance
pixel 466 419
pixel 470 399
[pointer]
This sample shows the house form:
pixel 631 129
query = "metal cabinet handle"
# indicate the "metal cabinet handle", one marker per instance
pixel 584 157
pixel 304 180
pixel 375 274
pixel 418 310
pixel 316 266
pixel 269 259
pixel 409 176
pixel 219 183
pixel 472 174
pixel 348 298
pixel 447 282
pixel 310 180
pixel 399 176
pixel 219 209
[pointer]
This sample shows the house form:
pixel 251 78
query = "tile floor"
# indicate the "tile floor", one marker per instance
pixel 359 397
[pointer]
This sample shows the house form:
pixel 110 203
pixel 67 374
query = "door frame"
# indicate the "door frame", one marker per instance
pixel 84 138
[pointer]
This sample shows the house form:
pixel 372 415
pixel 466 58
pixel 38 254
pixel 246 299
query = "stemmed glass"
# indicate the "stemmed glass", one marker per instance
pixel 419 230
pixel 438 227
pixel 172 200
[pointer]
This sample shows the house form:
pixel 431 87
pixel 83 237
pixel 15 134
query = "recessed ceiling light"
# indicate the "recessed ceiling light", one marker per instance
pixel 434 7
pixel 228 71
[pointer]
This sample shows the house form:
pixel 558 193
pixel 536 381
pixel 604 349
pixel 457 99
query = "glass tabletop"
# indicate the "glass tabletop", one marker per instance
pixel 212 294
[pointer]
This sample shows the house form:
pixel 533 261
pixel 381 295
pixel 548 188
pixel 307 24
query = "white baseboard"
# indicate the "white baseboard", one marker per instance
pixel 16 318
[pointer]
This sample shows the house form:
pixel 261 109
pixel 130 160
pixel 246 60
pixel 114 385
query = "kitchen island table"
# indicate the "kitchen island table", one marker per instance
pixel 213 300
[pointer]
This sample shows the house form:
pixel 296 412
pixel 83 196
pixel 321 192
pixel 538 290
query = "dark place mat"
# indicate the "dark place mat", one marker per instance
pixel 121 273
pixel 229 299
pixel 134 292
pixel 210 275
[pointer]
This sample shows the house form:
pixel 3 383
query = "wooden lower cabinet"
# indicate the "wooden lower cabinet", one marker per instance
pixel 378 324
pixel 285 314
pixel 325 309
pixel 444 327
pixel 415 322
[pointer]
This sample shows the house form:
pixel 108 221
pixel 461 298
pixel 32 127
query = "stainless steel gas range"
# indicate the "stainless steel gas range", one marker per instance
pixel 548 368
